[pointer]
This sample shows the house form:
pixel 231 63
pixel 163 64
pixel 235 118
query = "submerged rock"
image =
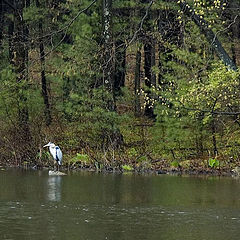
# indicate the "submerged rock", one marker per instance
pixel 56 173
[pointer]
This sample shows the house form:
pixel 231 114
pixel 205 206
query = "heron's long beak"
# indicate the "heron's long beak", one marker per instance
pixel 47 145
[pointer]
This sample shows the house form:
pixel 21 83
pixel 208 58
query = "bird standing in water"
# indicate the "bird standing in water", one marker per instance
pixel 56 153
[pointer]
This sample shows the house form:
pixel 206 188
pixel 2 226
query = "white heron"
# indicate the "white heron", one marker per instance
pixel 56 153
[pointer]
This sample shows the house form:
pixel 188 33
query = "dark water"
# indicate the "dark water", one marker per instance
pixel 92 206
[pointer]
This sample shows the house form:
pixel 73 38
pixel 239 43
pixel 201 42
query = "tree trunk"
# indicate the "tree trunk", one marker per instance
pixel 120 66
pixel 47 112
pixel 107 37
pixel 10 40
pixel 149 62
pixel 149 58
pixel 150 77
pixel 1 24
pixel 108 64
pixel 215 151
pixel 137 83
pixel 235 29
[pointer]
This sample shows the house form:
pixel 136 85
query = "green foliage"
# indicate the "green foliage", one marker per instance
pixel 212 162
pixel 175 163
pixel 142 159
pixel 80 158
pixel 218 91
pixel 33 14
pixel 174 134
pixel 127 168
pixel 192 86
pixel 45 157
pixel 96 123
pixel 132 152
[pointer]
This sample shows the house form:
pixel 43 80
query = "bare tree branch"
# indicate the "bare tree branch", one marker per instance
pixel 10 5
pixel 141 23
pixel 211 111
pixel 71 21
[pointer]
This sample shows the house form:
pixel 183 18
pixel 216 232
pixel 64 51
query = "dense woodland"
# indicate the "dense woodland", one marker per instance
pixel 138 84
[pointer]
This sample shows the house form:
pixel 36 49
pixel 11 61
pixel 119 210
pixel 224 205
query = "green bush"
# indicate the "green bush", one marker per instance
pixel 80 158
pixel 127 168
pixel 212 162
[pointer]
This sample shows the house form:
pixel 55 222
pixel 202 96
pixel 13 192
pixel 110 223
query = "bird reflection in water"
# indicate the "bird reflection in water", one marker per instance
pixel 54 188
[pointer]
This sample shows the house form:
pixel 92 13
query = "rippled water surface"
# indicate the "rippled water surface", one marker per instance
pixel 93 206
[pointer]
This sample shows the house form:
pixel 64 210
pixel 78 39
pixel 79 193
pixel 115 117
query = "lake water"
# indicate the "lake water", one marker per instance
pixel 94 206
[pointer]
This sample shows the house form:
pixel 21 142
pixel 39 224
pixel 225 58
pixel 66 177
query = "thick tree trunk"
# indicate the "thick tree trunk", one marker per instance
pixel 47 112
pixel 10 40
pixel 233 12
pixel 149 58
pixel 1 24
pixel 108 64
pixel 150 77
pixel 149 62
pixel 108 45
pixel 120 66
pixel 137 83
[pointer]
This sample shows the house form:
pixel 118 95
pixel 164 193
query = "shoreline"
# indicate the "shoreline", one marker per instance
pixel 164 171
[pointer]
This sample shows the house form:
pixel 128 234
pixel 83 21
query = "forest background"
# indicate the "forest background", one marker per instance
pixel 117 84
